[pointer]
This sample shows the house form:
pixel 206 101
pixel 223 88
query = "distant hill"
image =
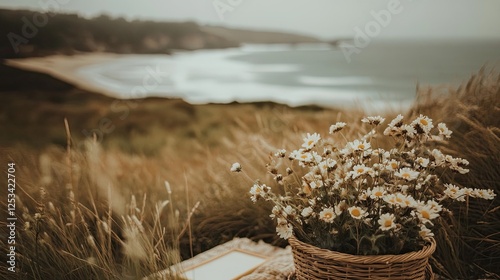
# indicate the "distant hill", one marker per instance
pixel 27 33
pixel 259 37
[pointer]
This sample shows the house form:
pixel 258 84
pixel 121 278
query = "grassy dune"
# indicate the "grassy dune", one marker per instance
pixel 99 208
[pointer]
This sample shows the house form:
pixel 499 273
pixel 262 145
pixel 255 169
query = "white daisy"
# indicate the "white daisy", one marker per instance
pixel 236 167
pixel 310 140
pixel 257 191
pixel 424 162
pixel 280 153
pixel 409 201
pixel 316 157
pixel 331 164
pixel 276 212
pixel 316 184
pixel 457 164
pixel 306 212
pixel 357 212
pixel 408 131
pixel 407 173
pixel 323 168
pixel 423 124
pixel 404 200
pixel 284 229
pixel 485 194
pixel 392 165
pixel 444 131
pixel 359 170
pixel 289 211
pixel 326 166
pixel 460 170
pixel 454 192
pixel 386 221
pixel 390 198
pixel 296 154
pixel 434 205
pixel 327 215
pixel 376 120
pixel 357 145
pixel 469 192
pixel 397 121
pixel 425 233
pixel 490 194
pixel 305 157
pixel 377 193
pixel 337 127
pixel 393 128
pixel 439 157
pixel 426 213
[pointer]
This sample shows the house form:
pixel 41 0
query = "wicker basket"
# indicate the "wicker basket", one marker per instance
pixel 314 263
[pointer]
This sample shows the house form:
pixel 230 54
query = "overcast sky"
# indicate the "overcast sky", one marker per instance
pixel 462 19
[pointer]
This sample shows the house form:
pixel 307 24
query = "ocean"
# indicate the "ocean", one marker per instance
pixel 380 76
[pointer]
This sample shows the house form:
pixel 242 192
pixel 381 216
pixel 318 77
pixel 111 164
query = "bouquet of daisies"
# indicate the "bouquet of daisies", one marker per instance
pixel 359 198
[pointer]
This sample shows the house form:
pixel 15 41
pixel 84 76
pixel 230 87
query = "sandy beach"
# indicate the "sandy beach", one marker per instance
pixel 198 78
pixel 64 67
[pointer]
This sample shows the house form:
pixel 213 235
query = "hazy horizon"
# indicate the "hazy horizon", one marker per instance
pixel 324 19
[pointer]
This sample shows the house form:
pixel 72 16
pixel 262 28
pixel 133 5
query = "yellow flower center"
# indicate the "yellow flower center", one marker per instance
pixel 355 212
pixel 304 156
pixel 425 214
pixel 328 216
pixel 399 200
pixel 394 165
pixel 424 122
pixel 405 175
pixel 378 193
pixel 360 170
pixel 310 142
pixel 388 223
pixel 361 146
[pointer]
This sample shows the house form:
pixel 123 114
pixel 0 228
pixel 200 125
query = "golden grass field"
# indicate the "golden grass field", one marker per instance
pixel 100 208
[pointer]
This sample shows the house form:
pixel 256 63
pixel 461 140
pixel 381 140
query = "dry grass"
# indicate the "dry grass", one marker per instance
pixel 103 212
pixel 469 245
pixel 75 221
pixel 100 210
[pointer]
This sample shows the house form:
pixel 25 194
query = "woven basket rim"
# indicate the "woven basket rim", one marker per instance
pixel 425 252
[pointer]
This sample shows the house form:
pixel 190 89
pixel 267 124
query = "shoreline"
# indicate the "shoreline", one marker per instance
pixel 64 69
pixel 36 104
pixel 223 76
pixel 78 70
